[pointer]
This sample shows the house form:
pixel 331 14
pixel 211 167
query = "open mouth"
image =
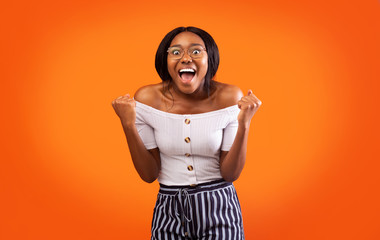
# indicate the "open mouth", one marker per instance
pixel 186 74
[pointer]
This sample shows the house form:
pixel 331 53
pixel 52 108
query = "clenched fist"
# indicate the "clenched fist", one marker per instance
pixel 248 106
pixel 125 108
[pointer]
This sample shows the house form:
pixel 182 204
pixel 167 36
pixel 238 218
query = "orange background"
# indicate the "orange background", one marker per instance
pixel 312 165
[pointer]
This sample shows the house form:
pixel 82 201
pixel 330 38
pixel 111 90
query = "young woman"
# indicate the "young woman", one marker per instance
pixel 190 132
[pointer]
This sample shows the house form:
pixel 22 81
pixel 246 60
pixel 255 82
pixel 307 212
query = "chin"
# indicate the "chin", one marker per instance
pixel 188 87
pixel 187 90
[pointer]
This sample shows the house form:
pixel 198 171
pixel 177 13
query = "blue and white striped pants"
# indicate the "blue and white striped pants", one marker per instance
pixel 206 211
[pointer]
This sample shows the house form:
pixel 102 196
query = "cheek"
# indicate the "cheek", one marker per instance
pixel 171 67
pixel 204 64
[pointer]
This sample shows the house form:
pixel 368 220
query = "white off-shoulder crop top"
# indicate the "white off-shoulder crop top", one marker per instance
pixel 189 144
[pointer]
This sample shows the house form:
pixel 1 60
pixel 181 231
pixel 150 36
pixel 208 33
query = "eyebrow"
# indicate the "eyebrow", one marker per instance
pixel 193 44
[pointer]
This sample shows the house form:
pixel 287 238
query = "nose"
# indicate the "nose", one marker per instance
pixel 186 58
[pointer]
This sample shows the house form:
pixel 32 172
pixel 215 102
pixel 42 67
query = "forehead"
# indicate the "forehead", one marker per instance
pixel 186 39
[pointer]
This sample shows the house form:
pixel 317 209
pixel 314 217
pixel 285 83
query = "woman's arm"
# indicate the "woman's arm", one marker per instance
pixel 232 162
pixel 146 162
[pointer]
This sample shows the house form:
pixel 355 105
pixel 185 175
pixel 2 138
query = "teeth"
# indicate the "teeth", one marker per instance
pixel 186 70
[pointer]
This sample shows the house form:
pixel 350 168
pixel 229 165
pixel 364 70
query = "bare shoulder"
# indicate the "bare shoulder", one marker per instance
pixel 228 95
pixel 149 95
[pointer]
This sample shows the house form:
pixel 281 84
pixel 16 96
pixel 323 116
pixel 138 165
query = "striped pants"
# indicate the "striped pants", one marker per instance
pixel 206 211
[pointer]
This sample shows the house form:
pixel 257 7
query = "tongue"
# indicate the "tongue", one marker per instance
pixel 187 76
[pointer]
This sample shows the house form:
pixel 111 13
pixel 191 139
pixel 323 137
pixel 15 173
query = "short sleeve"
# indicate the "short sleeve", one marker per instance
pixel 145 131
pixel 229 132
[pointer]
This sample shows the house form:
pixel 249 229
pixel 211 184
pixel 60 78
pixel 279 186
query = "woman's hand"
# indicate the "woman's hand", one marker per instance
pixel 125 108
pixel 248 106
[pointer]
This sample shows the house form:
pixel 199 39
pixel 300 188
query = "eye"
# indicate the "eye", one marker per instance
pixel 196 51
pixel 175 51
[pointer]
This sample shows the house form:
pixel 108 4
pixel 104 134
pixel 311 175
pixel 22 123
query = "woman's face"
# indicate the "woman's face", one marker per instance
pixel 179 69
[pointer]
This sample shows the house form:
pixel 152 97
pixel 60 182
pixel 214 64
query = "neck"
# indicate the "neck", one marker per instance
pixel 198 95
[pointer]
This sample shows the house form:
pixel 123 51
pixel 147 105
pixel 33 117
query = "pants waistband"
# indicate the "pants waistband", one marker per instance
pixel 208 186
